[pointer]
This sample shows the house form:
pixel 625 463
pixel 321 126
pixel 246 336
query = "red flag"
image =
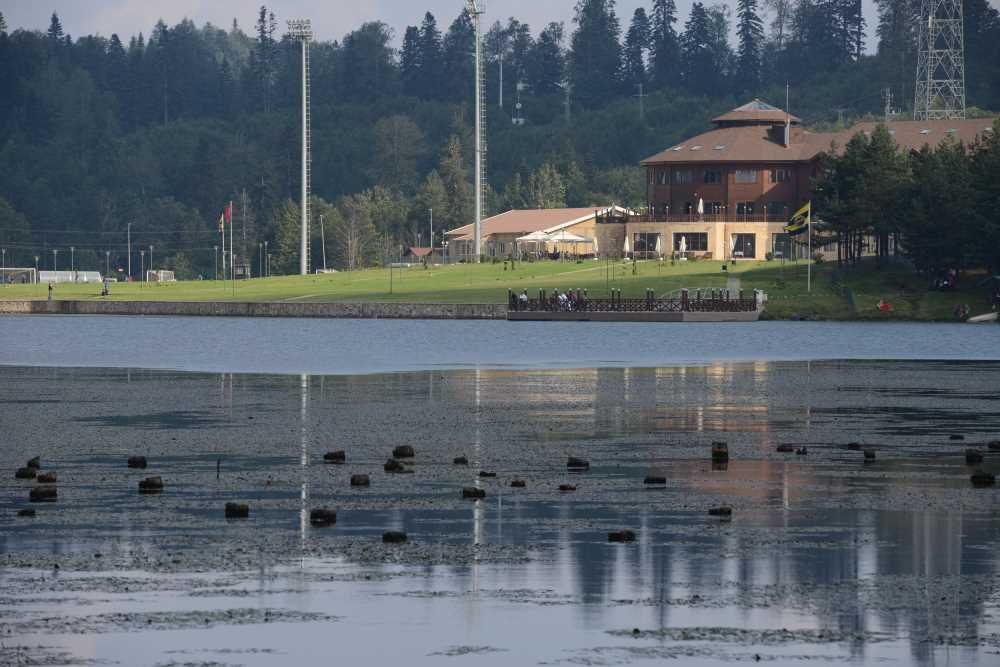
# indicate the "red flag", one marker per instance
pixel 229 213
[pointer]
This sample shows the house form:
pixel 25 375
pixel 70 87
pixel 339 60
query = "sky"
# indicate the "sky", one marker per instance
pixel 330 19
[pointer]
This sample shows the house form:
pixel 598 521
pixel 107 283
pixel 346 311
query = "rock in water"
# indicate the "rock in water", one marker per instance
pixel 473 493
pixel 35 463
pixel 567 487
pixel 973 456
pixel 360 480
pixel 621 536
pixel 652 480
pixel 574 463
pixel 26 473
pixel 854 446
pixel 46 478
pixel 517 484
pixel 720 451
pixel 237 510
pixel 137 462
pixel 403 452
pixel 981 479
pixel 337 457
pixel 869 455
pixel 43 494
pixel 956 436
pixel 786 449
pixel 724 512
pixel 483 474
pixel 460 461
pixel 151 485
pixel 323 517
pixel 393 537
pixel 28 514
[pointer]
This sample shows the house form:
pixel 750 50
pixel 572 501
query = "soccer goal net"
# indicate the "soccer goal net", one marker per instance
pixel 16 276
pixel 161 276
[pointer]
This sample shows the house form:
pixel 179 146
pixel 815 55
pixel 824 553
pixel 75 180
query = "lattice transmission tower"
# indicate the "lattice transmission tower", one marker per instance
pixel 940 86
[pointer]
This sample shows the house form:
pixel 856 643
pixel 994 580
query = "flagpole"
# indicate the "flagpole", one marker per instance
pixel 809 266
pixel 222 232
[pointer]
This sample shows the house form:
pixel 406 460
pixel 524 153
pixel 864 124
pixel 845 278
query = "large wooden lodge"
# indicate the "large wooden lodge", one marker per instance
pixel 724 194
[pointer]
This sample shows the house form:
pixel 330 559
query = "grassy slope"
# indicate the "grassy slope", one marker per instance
pixel 488 283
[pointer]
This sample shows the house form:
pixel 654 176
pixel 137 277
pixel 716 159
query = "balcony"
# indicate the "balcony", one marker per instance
pixel 695 218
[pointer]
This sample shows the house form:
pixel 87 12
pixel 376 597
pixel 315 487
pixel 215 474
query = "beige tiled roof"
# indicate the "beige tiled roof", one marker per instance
pixel 522 222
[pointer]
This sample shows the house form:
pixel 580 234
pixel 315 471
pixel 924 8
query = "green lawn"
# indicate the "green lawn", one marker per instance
pixel 488 283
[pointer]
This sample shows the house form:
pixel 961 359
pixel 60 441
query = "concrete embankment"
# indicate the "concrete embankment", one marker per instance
pixel 424 311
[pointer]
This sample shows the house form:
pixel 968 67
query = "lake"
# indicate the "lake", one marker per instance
pixel 826 556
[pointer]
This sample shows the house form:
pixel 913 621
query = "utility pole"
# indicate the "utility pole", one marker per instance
pixel 642 108
pixel 150 257
pixel 322 237
pixel 431 210
pixel 887 103
pixel 107 263
pixel 130 253
pixel 216 255
pixel 301 29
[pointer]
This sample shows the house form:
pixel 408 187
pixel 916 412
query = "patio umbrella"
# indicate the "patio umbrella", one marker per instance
pixel 684 244
pixel 596 249
pixel 659 250
pixel 701 206
pixel 626 249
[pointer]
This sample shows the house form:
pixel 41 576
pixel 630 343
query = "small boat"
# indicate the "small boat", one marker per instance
pixel 979 319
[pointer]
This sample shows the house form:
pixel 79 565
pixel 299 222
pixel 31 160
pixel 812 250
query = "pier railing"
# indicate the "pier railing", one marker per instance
pixel 578 301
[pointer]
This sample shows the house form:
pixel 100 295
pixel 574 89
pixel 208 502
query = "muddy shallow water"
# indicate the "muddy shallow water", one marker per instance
pixel 826 557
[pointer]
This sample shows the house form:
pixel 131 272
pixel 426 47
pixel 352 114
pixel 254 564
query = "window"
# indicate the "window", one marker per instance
pixel 745 207
pixel 745 245
pixel 781 175
pixel 652 177
pixel 693 242
pixel 687 208
pixel 777 209
pixel 746 176
pixel 645 241
pixel 713 176
pixel 662 177
pixel 781 246
pixel 683 176
pixel 713 207
pixel 501 247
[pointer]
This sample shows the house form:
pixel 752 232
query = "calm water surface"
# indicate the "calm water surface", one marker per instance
pixel 826 558
pixel 248 345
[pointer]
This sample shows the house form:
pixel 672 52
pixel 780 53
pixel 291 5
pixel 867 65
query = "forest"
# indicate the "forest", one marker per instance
pixel 159 131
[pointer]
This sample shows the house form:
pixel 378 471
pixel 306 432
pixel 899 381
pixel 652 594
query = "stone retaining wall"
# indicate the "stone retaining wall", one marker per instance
pixel 423 311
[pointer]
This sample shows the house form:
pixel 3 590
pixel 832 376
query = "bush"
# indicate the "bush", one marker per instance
pixel 769 256
pixel 818 257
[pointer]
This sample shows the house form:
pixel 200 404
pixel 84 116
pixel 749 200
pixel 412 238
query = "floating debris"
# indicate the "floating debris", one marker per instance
pixel 574 463
pixel 801 451
pixel 26 473
pixel 567 487
pixel 473 493
pixel 854 446
pixel 981 478
pixel 43 494
pixel 973 456
pixel 392 465
pixel 137 462
pixel 237 510
pixel 403 452
pixel 725 512
pixel 869 455
pixel 654 480
pixel 484 474
pixel 46 478
pixel 35 463
pixel 720 451
pixel 151 485
pixel 26 513
pixel 956 436
pixel 621 536
pixel 786 449
pixel 323 517
pixel 393 537
pixel 337 458
pixel 518 484
pixel 360 480
pixel 460 461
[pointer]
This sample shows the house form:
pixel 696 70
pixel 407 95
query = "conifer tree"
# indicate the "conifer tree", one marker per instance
pixel 546 64
pixel 55 31
pixel 458 66
pixel 429 58
pixel 595 62
pixel 665 64
pixel 751 39
pixel 636 48
pixel 409 62
pixel 3 25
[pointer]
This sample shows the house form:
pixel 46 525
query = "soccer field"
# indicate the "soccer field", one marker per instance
pixel 847 294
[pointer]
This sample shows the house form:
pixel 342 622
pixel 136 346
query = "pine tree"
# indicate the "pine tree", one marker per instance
pixel 546 63
pixel 456 184
pixel 546 188
pixel 458 64
pixel 3 25
pixel 637 41
pixel 751 36
pixel 696 56
pixel 55 31
pixel 595 62
pixel 665 64
pixel 409 62
pixel 430 58
pixel 263 62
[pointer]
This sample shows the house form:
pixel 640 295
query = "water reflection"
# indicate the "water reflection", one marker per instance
pixel 902 548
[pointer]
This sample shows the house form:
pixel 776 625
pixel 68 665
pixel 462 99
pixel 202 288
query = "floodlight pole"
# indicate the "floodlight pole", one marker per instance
pixel 475 9
pixel 130 252
pixel 322 238
pixel 301 29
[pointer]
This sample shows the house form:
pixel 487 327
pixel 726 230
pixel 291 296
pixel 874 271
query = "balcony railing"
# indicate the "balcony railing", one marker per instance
pixel 694 218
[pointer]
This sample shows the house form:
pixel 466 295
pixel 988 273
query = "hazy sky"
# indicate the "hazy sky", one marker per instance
pixel 331 19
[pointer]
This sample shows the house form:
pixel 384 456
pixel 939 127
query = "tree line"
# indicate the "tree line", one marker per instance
pixel 161 130
pixel 938 206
